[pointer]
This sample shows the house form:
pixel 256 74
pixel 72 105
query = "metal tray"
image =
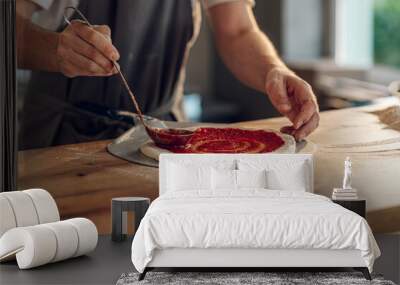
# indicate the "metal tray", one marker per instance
pixel 127 146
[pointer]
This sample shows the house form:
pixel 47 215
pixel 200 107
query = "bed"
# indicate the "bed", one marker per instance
pixel 247 211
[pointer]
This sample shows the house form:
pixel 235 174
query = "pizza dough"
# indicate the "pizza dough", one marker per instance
pixel 390 116
pixel 289 145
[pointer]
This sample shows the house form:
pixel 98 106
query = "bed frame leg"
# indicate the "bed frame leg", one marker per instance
pixel 143 274
pixel 364 271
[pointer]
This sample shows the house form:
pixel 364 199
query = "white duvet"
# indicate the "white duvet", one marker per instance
pixel 250 219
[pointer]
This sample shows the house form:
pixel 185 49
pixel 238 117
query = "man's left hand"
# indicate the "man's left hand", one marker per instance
pixel 293 98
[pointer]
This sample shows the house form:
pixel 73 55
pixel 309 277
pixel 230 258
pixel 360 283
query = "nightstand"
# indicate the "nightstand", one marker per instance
pixel 357 206
pixel 119 208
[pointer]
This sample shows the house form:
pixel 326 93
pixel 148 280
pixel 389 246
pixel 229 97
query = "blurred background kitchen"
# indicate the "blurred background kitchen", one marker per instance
pixel 348 50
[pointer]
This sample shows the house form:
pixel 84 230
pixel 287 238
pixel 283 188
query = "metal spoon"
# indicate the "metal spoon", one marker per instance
pixel 161 136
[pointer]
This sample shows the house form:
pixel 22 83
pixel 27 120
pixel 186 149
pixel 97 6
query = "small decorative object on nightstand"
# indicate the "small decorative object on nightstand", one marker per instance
pixel 347 196
pixel 347 192
pixel 357 206
pixel 120 207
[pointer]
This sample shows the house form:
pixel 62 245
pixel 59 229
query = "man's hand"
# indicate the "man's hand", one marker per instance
pixel 247 51
pixel 293 98
pixel 86 51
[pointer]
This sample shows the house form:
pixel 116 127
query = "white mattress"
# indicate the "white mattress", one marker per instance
pixel 258 219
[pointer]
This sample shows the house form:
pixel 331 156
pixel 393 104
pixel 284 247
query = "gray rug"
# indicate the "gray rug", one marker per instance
pixel 269 278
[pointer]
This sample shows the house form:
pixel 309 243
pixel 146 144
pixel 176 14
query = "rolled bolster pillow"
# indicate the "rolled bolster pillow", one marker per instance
pixel 46 207
pixel 23 208
pixel 26 208
pixel 67 240
pixel 37 245
pixel 7 218
pixel 87 235
pixel 33 246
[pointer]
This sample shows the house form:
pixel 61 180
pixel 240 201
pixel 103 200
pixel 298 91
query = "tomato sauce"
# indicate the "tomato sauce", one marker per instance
pixel 229 140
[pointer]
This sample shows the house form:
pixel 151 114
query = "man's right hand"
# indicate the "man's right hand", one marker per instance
pixel 86 51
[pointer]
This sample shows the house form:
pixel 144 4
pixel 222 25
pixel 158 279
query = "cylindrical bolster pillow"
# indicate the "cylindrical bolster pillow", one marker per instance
pixel 41 244
pixel 45 205
pixel 87 234
pixel 7 218
pixel 33 246
pixel 26 208
pixel 23 208
pixel 67 240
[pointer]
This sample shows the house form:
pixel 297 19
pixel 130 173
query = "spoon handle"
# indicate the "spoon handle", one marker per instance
pixel 131 95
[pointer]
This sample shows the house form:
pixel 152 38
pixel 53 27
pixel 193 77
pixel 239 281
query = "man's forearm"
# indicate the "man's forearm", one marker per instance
pixel 36 47
pixel 250 55
pixel 252 58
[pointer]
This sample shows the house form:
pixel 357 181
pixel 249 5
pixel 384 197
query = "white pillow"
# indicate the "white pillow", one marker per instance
pixel 293 179
pixel 223 179
pixel 228 179
pixel 183 177
pixel 251 178
pixel 284 172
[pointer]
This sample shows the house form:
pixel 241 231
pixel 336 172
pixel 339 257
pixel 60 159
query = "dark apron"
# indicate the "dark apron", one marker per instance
pixel 151 37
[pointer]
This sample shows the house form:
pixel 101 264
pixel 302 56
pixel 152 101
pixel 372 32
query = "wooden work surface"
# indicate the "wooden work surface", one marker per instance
pixel 84 177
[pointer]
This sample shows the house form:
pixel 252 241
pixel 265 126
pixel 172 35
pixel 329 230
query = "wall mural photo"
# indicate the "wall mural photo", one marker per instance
pixel 142 135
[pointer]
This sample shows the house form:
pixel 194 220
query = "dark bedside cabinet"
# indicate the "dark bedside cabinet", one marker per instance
pixel 356 206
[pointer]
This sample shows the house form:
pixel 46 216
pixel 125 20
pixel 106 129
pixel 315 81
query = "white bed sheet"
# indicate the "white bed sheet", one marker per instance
pixel 251 218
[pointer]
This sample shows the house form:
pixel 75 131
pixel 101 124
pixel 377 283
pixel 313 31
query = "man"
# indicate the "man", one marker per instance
pixel 73 95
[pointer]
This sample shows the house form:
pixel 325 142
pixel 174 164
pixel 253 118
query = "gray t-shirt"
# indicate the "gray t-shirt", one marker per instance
pixel 50 13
